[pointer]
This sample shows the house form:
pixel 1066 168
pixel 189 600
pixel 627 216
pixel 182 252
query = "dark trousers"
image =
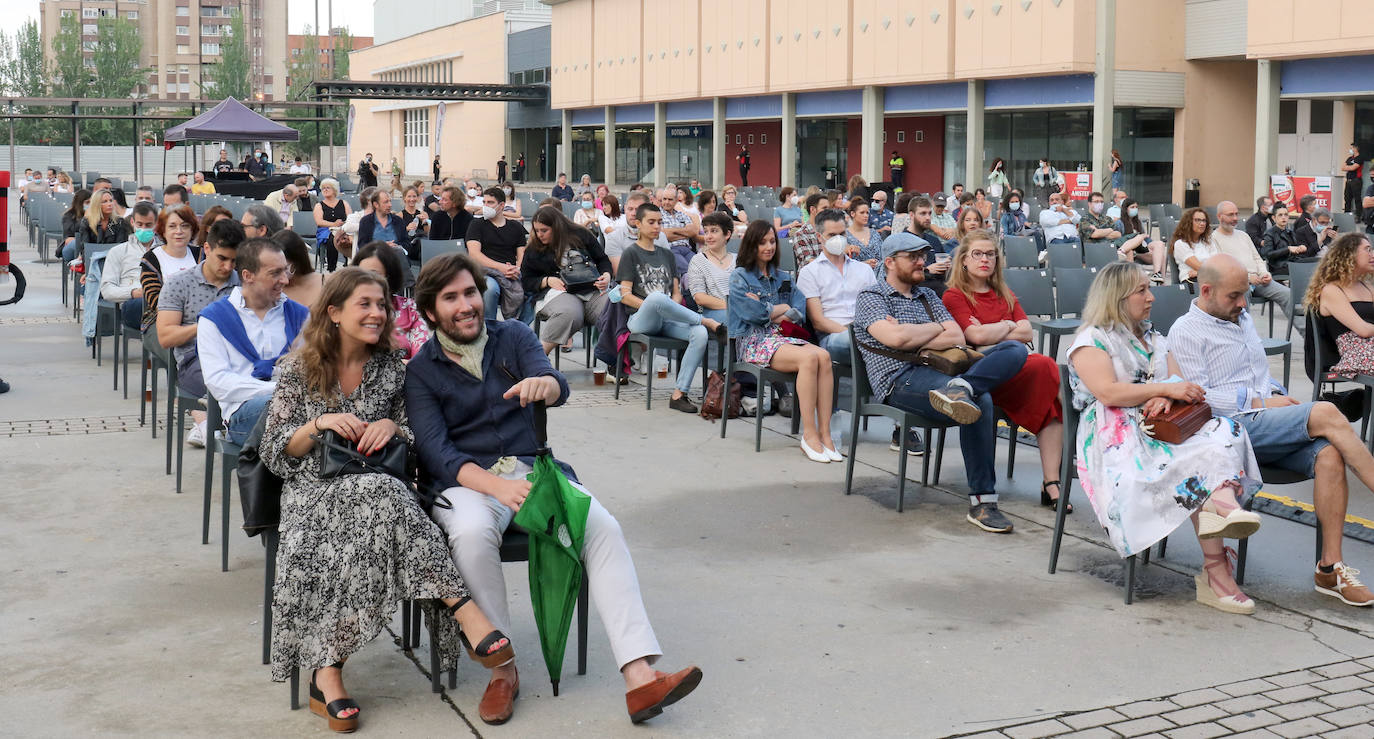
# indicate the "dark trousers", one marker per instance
pixel 132 314
pixel 897 178
pixel 977 440
pixel 744 176
pixel 1352 198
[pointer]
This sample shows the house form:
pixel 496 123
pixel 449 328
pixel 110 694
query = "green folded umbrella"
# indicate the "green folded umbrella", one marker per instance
pixel 554 515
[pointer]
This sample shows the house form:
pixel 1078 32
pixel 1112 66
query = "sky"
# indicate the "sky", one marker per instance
pixel 356 14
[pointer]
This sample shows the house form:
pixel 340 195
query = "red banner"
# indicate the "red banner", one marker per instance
pixel 1078 185
pixel 1290 189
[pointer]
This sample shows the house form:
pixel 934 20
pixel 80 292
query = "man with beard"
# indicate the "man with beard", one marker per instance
pixel 468 389
pixel 896 316
pixel 1216 346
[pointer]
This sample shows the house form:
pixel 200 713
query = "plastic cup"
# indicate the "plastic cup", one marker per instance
pixel 599 377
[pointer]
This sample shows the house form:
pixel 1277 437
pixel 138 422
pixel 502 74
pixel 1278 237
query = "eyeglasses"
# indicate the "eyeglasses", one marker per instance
pixel 979 256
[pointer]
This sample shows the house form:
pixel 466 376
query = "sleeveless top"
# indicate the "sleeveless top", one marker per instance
pixel 1331 328
pixel 337 213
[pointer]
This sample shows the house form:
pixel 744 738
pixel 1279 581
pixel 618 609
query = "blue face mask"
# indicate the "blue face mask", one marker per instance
pixel 144 235
pixel 1015 206
pixel 587 204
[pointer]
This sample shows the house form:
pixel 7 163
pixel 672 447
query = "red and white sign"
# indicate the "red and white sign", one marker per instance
pixel 1078 185
pixel 1290 189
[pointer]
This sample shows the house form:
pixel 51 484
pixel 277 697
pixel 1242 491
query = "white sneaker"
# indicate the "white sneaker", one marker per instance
pixel 196 437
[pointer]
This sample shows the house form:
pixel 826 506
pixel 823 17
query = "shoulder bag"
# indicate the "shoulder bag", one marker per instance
pixel 955 360
pixel 338 457
pixel 259 489
pixel 579 274
pixel 718 398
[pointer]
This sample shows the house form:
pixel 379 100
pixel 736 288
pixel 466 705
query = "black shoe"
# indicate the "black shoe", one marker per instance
pixel 955 400
pixel 1048 502
pixel 986 517
pixel 914 447
pixel 1349 402
pixel 4 387
pixel 683 403
pixel 784 406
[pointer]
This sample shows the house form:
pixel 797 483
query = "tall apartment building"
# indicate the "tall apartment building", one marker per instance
pixel 181 39
pixel 329 47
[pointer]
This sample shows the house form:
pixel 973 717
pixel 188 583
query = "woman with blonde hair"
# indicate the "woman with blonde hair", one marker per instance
pixel 353 545
pixel 988 313
pixel 1341 296
pixel 1121 374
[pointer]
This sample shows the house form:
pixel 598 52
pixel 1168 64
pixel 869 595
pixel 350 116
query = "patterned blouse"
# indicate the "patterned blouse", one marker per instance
pixel 411 330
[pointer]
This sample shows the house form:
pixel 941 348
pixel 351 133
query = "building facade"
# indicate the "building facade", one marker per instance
pixel 327 46
pixel 818 90
pixel 181 39
pixel 468 136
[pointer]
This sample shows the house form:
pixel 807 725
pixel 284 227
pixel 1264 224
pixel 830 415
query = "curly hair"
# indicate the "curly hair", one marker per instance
pixel 1337 266
pixel 318 354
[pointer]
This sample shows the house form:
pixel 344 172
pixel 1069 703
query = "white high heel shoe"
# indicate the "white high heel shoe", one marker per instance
pixel 814 455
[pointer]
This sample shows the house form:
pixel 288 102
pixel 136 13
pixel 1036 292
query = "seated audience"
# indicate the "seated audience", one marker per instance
pixel 1138 246
pixel 383 225
pixel 352 546
pixel 706 202
pixel 306 284
pixel 452 219
pixel 174 195
pixel 1279 245
pixel 212 214
pixel 414 221
pixel 174 228
pixel 831 285
pixel 199 186
pixel 557 251
pixel 355 218
pixel 626 233
pixel 241 337
pixel 727 204
pixel 610 207
pixel 331 212
pixel 970 220
pixel 184 295
pixel 73 219
pixel 761 297
pixel 512 207
pixel 1236 243
pixel 1015 219
pixel 879 216
pixel 788 214
pixel 1122 373
pixel 1258 222
pixel 409 331
pixel 806 244
pixel 679 227
pixel 649 287
pixel 920 209
pixel 1059 222
pixel 484 449
pixel 988 313
pixel 260 222
pixel 1217 347
pixel 283 203
pixel 708 275
pixel 102 223
pixel 561 189
pixel 897 315
pixel 1316 233
pixel 1193 244
pixel 982 204
pixel 865 244
pixel 588 216
pixel 942 223
pixel 1341 292
pixel 901 217
pixel 498 244
pixel 120 281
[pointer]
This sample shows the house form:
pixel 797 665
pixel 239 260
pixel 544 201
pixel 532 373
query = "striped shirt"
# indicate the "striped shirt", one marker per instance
pixel 703 276
pixel 1226 359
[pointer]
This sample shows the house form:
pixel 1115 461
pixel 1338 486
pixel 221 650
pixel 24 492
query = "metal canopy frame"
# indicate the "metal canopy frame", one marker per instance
pixel 366 89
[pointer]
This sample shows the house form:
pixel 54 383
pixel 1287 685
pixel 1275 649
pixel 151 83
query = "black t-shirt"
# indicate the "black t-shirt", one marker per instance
pixel 498 244
pixel 225 166
pixel 442 228
pixel 1353 174
pixel 562 192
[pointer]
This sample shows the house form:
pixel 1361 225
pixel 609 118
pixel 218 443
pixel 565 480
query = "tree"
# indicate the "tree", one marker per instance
pixel 23 70
pixel 71 77
pixel 118 74
pixel 231 76
pixel 343 43
pixel 303 71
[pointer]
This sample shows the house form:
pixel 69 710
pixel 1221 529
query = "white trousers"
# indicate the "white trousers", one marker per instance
pixel 474 527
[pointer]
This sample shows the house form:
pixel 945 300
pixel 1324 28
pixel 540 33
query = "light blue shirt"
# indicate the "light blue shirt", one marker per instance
pixel 1226 359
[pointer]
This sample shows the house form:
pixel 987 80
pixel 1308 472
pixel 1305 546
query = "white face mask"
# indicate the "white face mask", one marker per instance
pixel 1133 212
pixel 1014 207
pixel 795 199
pixel 472 192
pixel 835 245
pixel 1097 207
pixel 488 212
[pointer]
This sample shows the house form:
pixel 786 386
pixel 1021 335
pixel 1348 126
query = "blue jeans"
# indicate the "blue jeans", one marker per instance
pixel 246 417
pixel 838 346
pixel 660 316
pixel 491 302
pixel 977 440
pixel 68 251
pixel 1279 437
pixel 132 314
pixel 1065 240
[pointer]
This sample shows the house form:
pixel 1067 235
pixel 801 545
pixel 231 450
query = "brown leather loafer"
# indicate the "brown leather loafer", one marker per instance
pixel 498 702
pixel 649 700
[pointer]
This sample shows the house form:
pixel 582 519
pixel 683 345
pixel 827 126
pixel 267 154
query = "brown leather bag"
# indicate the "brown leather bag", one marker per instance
pixel 716 397
pixel 1180 422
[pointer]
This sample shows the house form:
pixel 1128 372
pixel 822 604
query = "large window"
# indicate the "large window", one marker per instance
pixel 588 154
pixel 634 154
pixel 417 127
pixel 689 153
pixel 822 153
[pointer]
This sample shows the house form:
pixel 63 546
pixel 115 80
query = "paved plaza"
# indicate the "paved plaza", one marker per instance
pixel 812 614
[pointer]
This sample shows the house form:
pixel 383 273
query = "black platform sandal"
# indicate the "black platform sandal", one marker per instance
pixel 484 653
pixel 331 712
pixel 1048 502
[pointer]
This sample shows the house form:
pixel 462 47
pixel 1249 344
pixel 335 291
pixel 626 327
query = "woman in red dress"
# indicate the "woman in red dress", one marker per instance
pixel 988 312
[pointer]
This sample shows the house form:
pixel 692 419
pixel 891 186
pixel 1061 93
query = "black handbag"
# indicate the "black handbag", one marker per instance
pixel 339 457
pixel 259 488
pixel 578 272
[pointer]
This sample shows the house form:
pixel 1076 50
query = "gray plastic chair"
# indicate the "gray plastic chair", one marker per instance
pixel 1099 254
pixel 1036 296
pixel 1021 252
pixel 1065 255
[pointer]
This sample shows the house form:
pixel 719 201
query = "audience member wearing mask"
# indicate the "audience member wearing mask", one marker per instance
pixel 1258 223
pixel 120 281
pixel 1316 233
pixel 498 244
pixel 831 284
pixel 788 214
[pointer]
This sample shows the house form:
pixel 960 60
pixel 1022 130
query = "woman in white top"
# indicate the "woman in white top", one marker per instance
pixel 512 207
pixel 708 274
pixel 588 216
pixel 1192 241
pixel 997 178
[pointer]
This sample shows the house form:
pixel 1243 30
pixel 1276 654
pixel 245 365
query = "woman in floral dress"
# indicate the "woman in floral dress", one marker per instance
pixel 761 297
pixel 1141 488
pixel 354 545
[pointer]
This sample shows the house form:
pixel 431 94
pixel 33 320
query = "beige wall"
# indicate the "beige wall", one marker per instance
pixel 1043 38
pixel 1150 36
pixel 735 69
pixel 474 132
pixel 1214 133
pixel 1279 29
pixel 890 51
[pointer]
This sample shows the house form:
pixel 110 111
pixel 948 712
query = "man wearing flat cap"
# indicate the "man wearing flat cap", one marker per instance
pixel 896 319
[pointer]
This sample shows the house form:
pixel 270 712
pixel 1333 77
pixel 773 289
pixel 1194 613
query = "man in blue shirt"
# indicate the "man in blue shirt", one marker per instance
pixel 561 190
pixel 468 389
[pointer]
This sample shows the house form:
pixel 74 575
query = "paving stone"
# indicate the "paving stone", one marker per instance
pixel 1251 720
pixel 1194 715
pixel 1141 726
pixel 1296 693
pixel 1340 669
pixel 1342 684
pixel 1037 730
pixel 1210 695
pixel 1348 698
pixel 1351 732
pixel 1302 727
pixel 988 735
pixel 1198 731
pixel 1146 708
pixel 1246 703
pixel 1298 710
pixel 1301 677
pixel 1097 732
pixel 1246 687
pixel 1256 734
pixel 1367 662
pixel 1350 716
pixel 1100 717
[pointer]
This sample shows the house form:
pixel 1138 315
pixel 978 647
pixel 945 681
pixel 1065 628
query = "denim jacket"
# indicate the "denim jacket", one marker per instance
pixel 747 314
pixel 1013 222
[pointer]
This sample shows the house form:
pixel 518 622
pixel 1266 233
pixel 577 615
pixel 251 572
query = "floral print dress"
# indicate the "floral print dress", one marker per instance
pixel 353 546
pixel 1141 488
pixel 411 330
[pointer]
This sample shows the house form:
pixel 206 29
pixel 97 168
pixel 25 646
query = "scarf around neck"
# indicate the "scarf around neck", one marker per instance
pixel 469 354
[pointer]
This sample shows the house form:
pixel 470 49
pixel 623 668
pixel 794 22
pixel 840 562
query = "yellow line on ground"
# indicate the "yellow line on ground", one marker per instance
pixel 1302 505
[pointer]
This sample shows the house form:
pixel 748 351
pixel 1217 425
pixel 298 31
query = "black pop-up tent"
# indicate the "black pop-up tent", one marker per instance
pixel 228 121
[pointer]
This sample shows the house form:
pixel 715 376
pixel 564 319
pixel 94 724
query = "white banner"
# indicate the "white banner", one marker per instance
pixel 438 128
pixel 348 134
